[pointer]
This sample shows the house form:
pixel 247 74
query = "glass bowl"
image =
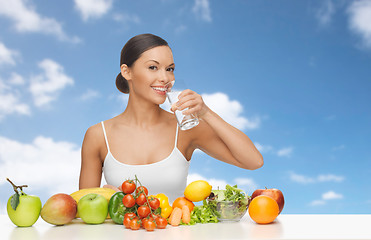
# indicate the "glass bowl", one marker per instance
pixel 229 211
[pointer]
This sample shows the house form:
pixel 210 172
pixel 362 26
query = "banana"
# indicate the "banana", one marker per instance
pixel 105 192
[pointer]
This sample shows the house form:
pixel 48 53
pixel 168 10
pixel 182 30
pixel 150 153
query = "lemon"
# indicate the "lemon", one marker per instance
pixel 197 191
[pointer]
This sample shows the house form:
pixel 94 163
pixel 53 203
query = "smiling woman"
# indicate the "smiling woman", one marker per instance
pixel 144 140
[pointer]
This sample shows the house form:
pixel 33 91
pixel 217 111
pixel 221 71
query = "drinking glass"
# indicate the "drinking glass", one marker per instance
pixel 185 122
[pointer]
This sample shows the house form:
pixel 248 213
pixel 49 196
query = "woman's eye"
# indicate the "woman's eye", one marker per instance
pixel 171 69
pixel 152 67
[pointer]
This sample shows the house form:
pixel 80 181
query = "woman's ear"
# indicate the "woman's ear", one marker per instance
pixel 125 72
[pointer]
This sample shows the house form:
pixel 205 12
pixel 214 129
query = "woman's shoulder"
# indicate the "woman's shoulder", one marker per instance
pixel 94 131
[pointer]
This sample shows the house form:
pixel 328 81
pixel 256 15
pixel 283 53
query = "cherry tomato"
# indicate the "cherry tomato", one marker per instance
pixel 143 211
pixel 128 200
pixel 161 222
pixel 130 215
pixel 144 220
pixel 141 189
pixel 128 186
pixel 154 216
pixel 154 203
pixel 126 222
pixel 149 225
pixel 141 199
pixel 134 224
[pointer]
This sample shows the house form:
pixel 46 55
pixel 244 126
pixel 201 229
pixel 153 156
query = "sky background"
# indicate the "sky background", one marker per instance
pixel 295 76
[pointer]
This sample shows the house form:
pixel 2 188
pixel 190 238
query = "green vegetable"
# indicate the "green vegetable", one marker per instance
pixel 228 204
pixel 231 193
pixel 221 204
pixel 116 208
pixel 202 214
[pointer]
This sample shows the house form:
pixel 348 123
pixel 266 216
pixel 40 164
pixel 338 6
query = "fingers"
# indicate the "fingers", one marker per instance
pixel 191 100
pixel 112 187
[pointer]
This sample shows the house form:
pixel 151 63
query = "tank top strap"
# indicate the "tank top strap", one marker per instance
pixel 176 136
pixel 105 136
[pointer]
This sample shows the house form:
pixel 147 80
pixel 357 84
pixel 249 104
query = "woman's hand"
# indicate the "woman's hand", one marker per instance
pixel 193 101
pixel 117 189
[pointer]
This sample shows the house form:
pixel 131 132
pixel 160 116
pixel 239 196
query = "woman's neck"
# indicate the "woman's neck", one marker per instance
pixel 141 113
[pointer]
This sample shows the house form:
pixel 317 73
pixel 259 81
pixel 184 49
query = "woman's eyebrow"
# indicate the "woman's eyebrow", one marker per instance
pixel 152 60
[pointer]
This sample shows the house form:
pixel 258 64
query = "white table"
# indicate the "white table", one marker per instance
pixel 286 226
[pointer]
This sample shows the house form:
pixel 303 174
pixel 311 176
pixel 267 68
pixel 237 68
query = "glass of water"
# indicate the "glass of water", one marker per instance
pixel 185 122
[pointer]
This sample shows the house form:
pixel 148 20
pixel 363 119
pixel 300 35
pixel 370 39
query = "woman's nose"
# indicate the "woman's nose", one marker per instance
pixel 164 77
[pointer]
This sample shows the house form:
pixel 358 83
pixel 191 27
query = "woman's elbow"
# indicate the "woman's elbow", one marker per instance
pixel 256 163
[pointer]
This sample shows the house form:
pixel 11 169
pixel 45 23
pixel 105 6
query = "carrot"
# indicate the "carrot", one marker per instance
pixel 175 217
pixel 186 214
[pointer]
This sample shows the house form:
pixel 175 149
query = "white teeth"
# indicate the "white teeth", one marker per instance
pixel 159 89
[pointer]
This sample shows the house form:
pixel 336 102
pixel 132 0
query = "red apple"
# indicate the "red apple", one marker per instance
pixel 273 193
pixel 59 209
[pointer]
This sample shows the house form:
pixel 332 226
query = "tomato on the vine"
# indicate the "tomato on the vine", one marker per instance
pixel 143 211
pixel 126 222
pixel 128 200
pixel 161 222
pixel 142 189
pixel 128 186
pixel 130 215
pixel 134 224
pixel 149 225
pixel 154 203
pixel 141 199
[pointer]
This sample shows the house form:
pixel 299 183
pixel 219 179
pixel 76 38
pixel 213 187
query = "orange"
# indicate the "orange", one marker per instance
pixel 182 201
pixel 263 209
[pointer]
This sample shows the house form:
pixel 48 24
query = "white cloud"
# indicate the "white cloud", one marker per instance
pixel 44 164
pixel 330 195
pixel 202 9
pixel 10 98
pixel 360 19
pixel 325 12
pixel 230 111
pixel 246 183
pixel 263 148
pixel 330 178
pixel 25 19
pixel 126 18
pixel 16 79
pixel 285 152
pixel 92 8
pixel 320 178
pixel 7 56
pixel 89 94
pixel 46 86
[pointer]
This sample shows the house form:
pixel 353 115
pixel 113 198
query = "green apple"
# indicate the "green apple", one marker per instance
pixel 23 210
pixel 93 208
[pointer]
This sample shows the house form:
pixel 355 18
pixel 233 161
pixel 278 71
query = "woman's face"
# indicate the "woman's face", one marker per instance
pixel 152 73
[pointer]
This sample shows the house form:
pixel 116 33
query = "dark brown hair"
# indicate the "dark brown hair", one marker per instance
pixel 132 50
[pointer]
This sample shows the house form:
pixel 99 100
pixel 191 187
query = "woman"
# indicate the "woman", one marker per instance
pixel 145 141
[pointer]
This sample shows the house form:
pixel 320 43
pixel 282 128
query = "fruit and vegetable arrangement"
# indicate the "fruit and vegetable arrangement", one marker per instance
pixel 133 208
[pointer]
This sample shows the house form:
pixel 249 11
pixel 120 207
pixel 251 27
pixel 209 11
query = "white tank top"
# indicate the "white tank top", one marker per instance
pixel 168 176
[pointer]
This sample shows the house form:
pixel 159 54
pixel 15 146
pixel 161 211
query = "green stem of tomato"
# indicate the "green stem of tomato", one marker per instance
pixel 136 209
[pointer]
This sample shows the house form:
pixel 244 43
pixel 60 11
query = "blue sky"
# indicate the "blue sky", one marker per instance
pixel 295 76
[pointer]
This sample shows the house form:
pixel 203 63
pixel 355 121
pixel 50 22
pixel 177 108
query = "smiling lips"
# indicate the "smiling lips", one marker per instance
pixel 160 90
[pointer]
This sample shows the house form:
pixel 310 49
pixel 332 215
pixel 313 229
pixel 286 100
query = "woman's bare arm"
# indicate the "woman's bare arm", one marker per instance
pixel 91 162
